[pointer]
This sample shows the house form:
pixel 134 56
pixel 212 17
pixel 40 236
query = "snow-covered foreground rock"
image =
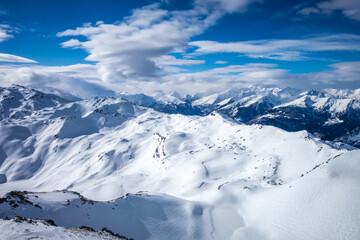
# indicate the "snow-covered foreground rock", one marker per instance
pixel 24 229
pixel 139 216
pixel 189 177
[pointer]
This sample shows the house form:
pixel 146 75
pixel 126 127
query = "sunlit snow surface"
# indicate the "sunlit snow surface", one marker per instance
pixel 189 177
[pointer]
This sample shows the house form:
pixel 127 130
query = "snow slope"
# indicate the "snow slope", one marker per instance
pixel 37 229
pixel 197 177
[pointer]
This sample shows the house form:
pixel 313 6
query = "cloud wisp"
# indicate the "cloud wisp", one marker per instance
pixel 340 75
pixel 5 34
pixel 285 50
pixel 349 8
pixel 5 31
pixel 4 57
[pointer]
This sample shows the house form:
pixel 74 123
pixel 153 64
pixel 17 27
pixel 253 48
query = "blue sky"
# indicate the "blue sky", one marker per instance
pixel 143 45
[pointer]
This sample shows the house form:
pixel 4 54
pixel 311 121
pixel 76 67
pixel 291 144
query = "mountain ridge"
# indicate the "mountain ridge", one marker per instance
pixel 330 114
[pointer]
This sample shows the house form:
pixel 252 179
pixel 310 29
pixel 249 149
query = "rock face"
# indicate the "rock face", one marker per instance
pixel 145 174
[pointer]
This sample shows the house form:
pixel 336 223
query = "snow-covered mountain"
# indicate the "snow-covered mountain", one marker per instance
pixel 144 174
pixel 329 114
pixel 18 101
pixel 167 103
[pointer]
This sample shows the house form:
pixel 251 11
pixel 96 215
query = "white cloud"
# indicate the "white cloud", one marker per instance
pixel 221 62
pixel 129 49
pixel 224 6
pixel 308 11
pixel 230 76
pixel 167 63
pixel 288 50
pixel 341 75
pixel 4 32
pixel 137 52
pixel 72 43
pixel 80 80
pixel 350 8
pixel 173 61
pixel 345 74
pixel 12 58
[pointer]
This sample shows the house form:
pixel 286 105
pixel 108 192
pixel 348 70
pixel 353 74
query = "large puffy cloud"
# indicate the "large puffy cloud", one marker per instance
pixel 350 8
pixel 129 49
pixel 289 50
